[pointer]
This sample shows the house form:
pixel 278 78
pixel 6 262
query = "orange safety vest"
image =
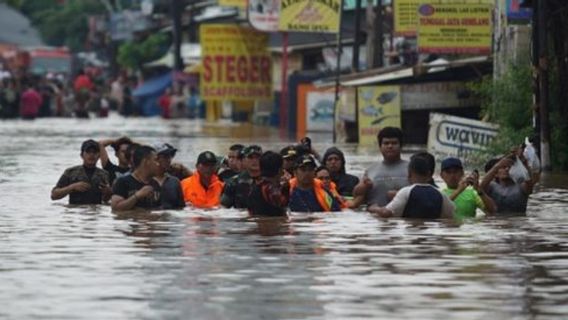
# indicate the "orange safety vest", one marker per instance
pixel 324 198
pixel 197 195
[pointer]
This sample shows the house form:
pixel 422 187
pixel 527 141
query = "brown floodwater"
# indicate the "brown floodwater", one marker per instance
pixel 85 262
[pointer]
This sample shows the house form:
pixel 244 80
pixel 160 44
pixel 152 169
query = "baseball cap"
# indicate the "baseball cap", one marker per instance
pixel 306 160
pixel 288 152
pixel 90 144
pixel 207 157
pixel 165 149
pixel 451 163
pixel 250 150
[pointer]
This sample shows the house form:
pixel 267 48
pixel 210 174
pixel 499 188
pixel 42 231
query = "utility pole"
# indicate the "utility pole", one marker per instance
pixel 375 50
pixel 543 86
pixel 357 42
pixel 176 11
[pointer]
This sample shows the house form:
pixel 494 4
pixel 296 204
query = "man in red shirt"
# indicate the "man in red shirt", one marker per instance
pixel 29 103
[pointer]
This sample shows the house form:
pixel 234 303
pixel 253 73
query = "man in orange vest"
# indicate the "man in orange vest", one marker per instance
pixel 308 194
pixel 203 189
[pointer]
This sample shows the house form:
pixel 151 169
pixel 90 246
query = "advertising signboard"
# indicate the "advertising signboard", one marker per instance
pixel 454 28
pixel 457 136
pixel 310 15
pixel 236 63
pixel 378 107
pixel 263 15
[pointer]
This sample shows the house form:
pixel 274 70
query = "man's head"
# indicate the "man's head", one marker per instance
pixel 334 161
pixel 206 164
pixel 120 147
pixel 322 173
pixel 428 157
pixel 390 143
pixel 270 164
pixel 419 170
pixel 251 156
pixel 90 152
pixel 452 172
pixel 165 153
pixel 145 158
pixel 305 171
pixel 234 157
pixel 289 156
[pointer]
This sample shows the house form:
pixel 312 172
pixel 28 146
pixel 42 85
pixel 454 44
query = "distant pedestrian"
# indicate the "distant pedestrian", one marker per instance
pixel 203 189
pixel 30 102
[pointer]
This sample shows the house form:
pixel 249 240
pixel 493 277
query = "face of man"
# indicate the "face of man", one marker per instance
pixel 234 161
pixel 503 173
pixel 305 175
pixel 121 155
pixel 164 162
pixel 333 163
pixel 252 164
pixel 390 149
pixel 206 170
pixel 324 177
pixel 151 164
pixel 288 163
pixel 452 177
pixel 90 157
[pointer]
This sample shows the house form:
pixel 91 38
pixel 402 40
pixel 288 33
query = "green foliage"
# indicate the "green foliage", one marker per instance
pixel 134 54
pixel 507 101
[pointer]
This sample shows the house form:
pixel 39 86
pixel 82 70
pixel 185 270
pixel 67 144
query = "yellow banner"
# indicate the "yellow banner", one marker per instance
pixel 310 15
pixel 406 13
pixel 377 107
pixel 233 3
pixel 236 63
pixel 454 28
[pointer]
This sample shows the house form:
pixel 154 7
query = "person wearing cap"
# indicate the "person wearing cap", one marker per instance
pixel 308 194
pixel 120 147
pixel 203 189
pixel 237 189
pixel 166 185
pixel 234 163
pixel 136 190
pixel 85 184
pixel 382 180
pixel 420 200
pixel 464 191
pixel 269 195
pixel 289 156
pixel 334 161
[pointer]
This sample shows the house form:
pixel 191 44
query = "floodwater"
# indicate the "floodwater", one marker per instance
pixel 63 262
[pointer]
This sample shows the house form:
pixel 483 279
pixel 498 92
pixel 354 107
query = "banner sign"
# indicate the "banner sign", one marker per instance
pixel 377 107
pixel 406 13
pixel 310 15
pixel 437 95
pixel 263 14
pixel 233 3
pixel 454 28
pixel 459 137
pixel 236 63
pixel 516 13
pixel 319 111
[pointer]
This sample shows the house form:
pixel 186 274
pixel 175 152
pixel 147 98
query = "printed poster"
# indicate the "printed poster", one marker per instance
pixel 378 107
pixel 455 28
pixel 319 111
pixel 310 15
pixel 236 63
pixel 263 14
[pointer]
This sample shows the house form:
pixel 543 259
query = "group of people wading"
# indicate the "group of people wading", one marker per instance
pixel 269 183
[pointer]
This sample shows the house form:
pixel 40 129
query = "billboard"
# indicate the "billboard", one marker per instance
pixel 233 3
pixel 455 28
pixel 377 107
pixel 459 137
pixel 263 14
pixel 236 63
pixel 437 95
pixel 310 15
pixel 319 111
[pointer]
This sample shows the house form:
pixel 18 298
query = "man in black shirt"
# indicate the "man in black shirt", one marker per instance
pixel 120 147
pixel 237 189
pixel 85 184
pixel 135 189
pixel 234 163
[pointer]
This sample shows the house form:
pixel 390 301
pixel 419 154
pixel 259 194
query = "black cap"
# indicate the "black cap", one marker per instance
pixel 451 163
pixel 90 144
pixel 207 157
pixel 251 150
pixel 306 160
pixel 289 152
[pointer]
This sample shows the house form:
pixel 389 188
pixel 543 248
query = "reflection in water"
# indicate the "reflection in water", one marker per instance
pixel 59 261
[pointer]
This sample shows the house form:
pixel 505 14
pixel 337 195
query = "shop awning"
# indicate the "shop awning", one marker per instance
pixel 153 86
pixel 190 54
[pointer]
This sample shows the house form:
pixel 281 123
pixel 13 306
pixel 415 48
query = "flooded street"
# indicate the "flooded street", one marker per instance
pixel 62 262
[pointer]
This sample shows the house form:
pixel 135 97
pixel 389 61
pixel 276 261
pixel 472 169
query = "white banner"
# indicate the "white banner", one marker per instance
pixel 459 137
pixel 319 111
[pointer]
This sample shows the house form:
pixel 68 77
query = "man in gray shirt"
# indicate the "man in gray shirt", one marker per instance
pixel 382 180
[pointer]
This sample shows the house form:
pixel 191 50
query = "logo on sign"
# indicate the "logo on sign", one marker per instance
pixel 464 136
